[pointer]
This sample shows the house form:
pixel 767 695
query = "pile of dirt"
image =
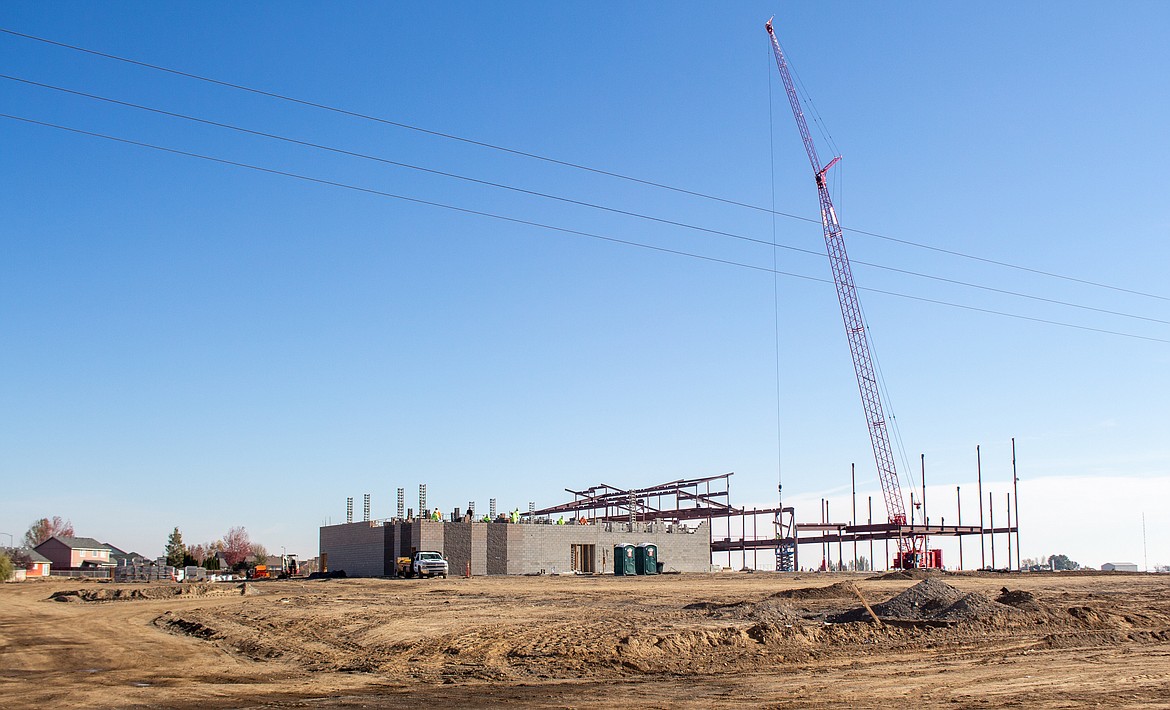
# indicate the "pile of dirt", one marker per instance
pixel 933 601
pixel 923 600
pixel 768 610
pixel 147 592
pixel 909 574
pixel 840 590
pixel 1020 599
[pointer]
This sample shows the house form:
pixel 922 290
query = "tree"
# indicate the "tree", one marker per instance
pixel 175 549
pixel 236 546
pixel 197 553
pixel 259 553
pixel 6 567
pixel 1062 562
pixel 45 528
pixel 19 557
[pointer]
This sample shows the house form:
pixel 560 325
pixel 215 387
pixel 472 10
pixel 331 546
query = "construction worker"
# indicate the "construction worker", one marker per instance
pixel 516 516
pixel 561 520
pixel 436 516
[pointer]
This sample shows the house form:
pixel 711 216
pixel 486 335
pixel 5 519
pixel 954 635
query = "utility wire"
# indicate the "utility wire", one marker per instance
pixel 582 203
pixel 569 164
pixel 565 230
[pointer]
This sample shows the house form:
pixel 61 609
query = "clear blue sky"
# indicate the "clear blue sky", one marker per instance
pixel 187 343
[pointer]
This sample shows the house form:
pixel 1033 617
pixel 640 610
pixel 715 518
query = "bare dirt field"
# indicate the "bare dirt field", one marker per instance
pixel 761 640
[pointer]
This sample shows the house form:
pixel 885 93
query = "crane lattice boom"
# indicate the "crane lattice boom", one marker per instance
pixel 854 324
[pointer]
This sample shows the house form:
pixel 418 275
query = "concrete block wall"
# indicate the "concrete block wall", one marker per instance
pixel 357 548
pixel 365 549
pixel 457 546
pixel 497 548
pixel 479 548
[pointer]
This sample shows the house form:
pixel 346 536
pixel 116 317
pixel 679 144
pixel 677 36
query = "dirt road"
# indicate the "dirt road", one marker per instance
pixel 764 640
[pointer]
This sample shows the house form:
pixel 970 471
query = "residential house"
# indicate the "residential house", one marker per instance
pixel 75 553
pixel 122 559
pixel 34 564
pixel 38 565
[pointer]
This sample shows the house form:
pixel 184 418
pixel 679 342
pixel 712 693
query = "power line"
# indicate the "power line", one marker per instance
pixel 564 230
pixel 569 164
pixel 582 203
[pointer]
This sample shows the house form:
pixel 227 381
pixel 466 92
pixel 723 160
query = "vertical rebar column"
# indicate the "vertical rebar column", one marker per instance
pixel 401 503
pixel 979 500
pixel 1009 527
pixel 471 509
pixel 853 518
pixel 492 508
pixel 366 508
pixel 959 505
pixel 991 515
pixel 925 518
pixel 1016 495
pixel 869 521
pixel 531 511
pixel 349 510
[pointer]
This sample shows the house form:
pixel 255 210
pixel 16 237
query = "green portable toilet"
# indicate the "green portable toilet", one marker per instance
pixel 623 560
pixel 646 558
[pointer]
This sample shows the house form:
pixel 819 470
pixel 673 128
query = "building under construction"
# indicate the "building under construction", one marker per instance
pixel 692 522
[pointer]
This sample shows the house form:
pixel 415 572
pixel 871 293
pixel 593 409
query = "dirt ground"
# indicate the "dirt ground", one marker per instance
pixel 763 640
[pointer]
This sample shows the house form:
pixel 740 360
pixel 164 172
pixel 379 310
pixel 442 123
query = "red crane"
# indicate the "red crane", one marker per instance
pixel 911 549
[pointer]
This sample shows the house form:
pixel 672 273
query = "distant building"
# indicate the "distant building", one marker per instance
pixel 369 548
pixel 37 565
pixel 1119 567
pixel 75 553
pixel 122 558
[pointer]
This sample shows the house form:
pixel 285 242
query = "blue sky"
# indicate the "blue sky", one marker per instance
pixel 188 343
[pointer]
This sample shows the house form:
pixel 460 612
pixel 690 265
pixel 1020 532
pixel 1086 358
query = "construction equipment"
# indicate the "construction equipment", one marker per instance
pixel 288 566
pixel 911 548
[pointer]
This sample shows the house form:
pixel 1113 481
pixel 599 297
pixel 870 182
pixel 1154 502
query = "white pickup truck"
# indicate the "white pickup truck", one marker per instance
pixel 428 563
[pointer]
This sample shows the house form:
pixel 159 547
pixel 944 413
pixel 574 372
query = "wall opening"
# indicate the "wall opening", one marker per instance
pixel 583 558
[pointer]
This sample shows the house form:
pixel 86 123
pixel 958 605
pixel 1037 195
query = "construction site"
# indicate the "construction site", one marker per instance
pixel 665 512
pixel 672 594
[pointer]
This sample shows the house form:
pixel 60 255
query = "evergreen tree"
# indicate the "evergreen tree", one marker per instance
pixel 176 551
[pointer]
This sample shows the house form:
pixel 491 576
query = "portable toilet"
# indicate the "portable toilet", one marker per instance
pixel 646 558
pixel 623 560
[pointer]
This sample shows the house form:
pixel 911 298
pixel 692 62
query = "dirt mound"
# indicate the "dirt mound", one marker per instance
pixel 1020 599
pixel 933 601
pixel 909 574
pixel 768 610
pixel 923 600
pixel 162 591
pixel 839 590
pixel 974 607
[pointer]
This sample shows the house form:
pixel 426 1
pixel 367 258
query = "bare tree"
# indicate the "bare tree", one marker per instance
pixel 259 553
pixel 46 528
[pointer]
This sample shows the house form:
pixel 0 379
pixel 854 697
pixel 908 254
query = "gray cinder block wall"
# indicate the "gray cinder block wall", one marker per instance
pixel 368 549
pixel 357 548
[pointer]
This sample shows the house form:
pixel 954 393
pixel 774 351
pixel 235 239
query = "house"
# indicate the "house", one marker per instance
pixel 1119 567
pixel 74 553
pixel 122 559
pixel 29 562
pixel 38 565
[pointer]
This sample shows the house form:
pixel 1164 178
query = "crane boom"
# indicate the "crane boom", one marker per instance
pixel 854 324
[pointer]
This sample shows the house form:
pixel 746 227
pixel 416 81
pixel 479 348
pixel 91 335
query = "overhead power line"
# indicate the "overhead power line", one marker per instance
pixel 565 163
pixel 564 230
pixel 582 203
